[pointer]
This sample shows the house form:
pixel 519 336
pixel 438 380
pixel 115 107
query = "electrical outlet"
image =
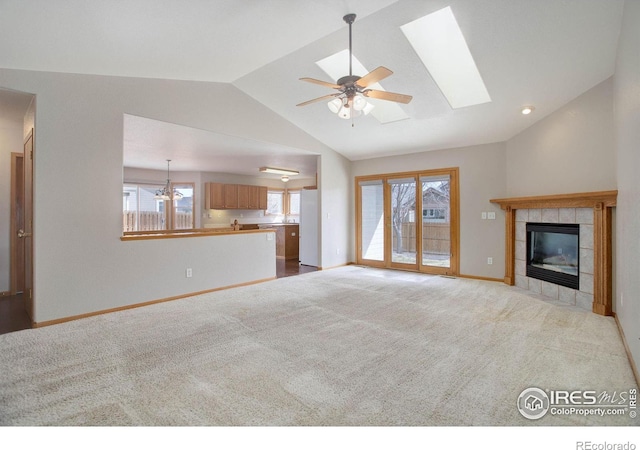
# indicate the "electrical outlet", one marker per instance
pixel 337 251
pixel 189 272
pixel 489 260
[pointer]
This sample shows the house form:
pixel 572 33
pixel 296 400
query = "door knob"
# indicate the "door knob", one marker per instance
pixel 22 234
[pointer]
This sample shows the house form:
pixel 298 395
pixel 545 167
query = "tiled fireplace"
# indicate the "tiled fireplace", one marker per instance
pixel 583 217
pixel 591 260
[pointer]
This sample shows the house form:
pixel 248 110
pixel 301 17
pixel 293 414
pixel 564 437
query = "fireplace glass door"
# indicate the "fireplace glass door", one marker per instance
pixel 553 253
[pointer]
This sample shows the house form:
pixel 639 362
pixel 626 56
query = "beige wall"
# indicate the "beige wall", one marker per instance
pixel 482 169
pixel 81 265
pixel 570 150
pixel 627 136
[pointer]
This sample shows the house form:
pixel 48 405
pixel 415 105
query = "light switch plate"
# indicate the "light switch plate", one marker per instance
pixel 491 215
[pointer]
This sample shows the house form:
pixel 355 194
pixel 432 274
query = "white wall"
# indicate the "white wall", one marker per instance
pixel 10 142
pixel 570 150
pixel 81 265
pixel 482 178
pixel 627 136
pixel 335 193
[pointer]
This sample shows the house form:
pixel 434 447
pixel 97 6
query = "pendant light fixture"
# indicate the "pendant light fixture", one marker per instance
pixel 166 193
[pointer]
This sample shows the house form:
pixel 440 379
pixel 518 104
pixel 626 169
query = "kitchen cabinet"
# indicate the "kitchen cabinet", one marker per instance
pixel 234 196
pixel 287 241
pixel 254 197
pixel 243 196
pixel 262 198
pixel 231 196
pixel 214 195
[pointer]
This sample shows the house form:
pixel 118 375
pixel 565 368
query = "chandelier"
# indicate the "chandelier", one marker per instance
pixel 167 193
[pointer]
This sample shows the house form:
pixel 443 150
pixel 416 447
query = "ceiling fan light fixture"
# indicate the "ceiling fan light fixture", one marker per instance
pixel 348 111
pixel 335 105
pixel 368 108
pixel 351 100
pixel 359 102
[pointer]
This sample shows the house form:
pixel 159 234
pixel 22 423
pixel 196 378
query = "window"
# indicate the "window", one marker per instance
pixel 183 217
pixel 275 202
pixel 439 214
pixel 141 211
pixel 294 203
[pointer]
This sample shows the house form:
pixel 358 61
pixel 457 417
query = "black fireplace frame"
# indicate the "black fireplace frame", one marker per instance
pixel 560 278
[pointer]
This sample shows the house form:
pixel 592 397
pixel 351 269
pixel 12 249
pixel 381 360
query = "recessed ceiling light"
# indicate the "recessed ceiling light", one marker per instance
pixel 527 110
pixel 438 41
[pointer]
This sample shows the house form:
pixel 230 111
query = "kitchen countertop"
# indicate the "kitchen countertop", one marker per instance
pixel 271 225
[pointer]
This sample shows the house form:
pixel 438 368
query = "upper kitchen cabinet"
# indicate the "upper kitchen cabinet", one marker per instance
pixel 243 196
pixel 231 196
pixel 234 196
pixel 262 197
pixel 214 196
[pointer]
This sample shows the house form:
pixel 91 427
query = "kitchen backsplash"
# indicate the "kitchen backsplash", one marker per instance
pixel 215 218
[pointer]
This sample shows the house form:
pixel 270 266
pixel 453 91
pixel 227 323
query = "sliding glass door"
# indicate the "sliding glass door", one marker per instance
pixel 436 220
pixel 372 222
pixel 402 195
pixel 409 221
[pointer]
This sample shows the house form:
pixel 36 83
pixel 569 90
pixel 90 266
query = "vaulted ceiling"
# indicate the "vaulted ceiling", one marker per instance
pixel 528 52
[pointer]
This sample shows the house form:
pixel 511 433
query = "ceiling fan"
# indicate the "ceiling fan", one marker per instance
pixel 350 100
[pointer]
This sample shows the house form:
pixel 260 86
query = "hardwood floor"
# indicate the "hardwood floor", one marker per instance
pixel 13 316
pixel 290 267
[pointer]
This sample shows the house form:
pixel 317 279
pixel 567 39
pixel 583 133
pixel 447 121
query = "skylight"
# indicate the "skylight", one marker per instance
pixel 337 65
pixel 438 41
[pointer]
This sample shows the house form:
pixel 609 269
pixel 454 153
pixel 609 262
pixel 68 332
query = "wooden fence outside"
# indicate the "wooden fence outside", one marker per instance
pixel 435 238
pixel 153 220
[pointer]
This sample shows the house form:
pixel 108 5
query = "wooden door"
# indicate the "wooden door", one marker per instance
pixel 17 223
pixel 26 233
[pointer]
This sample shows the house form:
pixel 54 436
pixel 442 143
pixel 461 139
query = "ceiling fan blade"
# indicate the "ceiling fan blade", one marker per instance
pixel 374 76
pixel 319 99
pixel 321 83
pixel 384 95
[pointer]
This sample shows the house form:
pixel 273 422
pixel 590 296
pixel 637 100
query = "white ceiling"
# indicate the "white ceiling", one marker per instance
pixel 149 143
pixel 542 52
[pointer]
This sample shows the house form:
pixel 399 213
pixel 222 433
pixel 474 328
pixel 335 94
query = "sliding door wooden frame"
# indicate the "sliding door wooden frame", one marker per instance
pixel 358 205
pixel 454 207
pixel 389 227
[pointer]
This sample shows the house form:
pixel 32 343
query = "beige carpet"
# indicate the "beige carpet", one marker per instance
pixel 348 346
